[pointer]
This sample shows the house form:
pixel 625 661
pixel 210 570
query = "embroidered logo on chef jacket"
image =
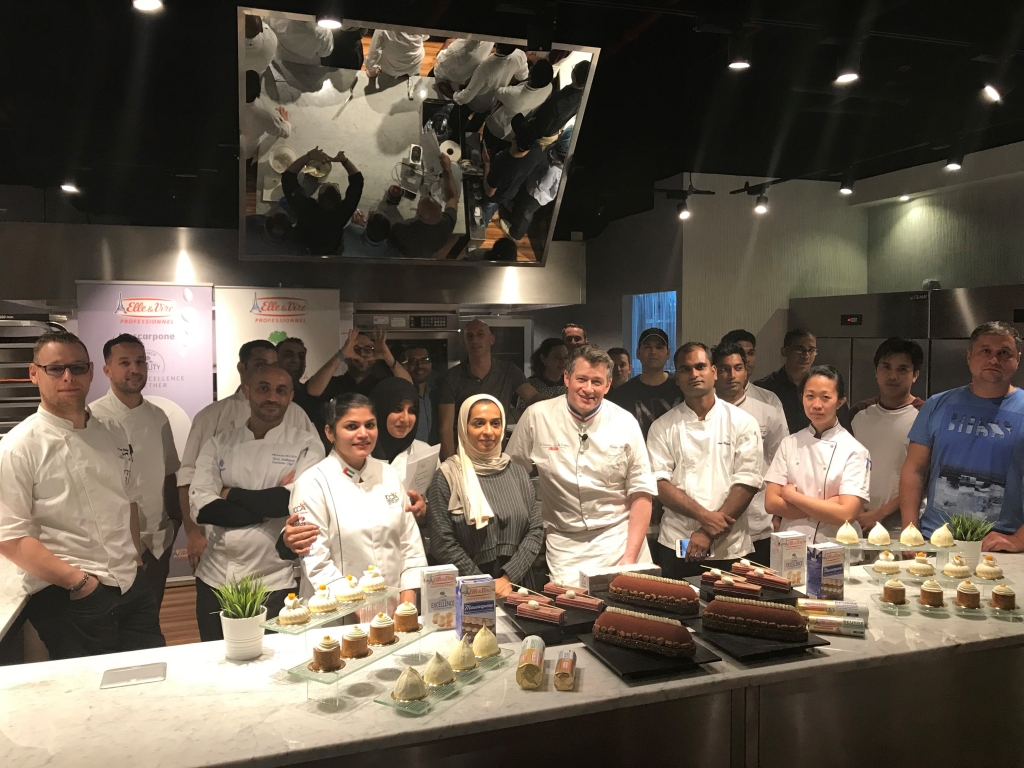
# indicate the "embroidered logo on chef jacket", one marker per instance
pixel 283 459
pixel 221 465
pixel 391 498
pixel 554 446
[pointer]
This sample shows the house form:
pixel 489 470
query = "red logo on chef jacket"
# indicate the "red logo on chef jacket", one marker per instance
pixel 278 308
pixel 391 498
pixel 144 306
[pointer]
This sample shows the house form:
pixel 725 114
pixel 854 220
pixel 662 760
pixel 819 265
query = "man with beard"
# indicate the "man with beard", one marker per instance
pixel 360 354
pixel 155 457
pixel 240 492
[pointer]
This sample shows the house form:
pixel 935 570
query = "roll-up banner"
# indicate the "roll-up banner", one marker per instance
pixel 274 314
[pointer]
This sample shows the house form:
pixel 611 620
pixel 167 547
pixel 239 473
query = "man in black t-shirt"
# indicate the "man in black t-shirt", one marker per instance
pixel 653 393
pixel 505 173
pixel 429 232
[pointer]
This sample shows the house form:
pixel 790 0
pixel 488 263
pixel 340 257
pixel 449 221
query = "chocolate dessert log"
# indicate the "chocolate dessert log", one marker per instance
pixel 655 592
pixel 515 599
pixel 644 632
pixel 538 612
pixel 584 602
pixel 765 577
pixel 753 618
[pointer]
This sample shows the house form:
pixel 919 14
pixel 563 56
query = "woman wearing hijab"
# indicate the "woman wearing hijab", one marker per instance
pixel 395 402
pixel 482 509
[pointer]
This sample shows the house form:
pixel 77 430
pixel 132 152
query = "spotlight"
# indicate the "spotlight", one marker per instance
pixel 69 187
pixel 846 187
pixel 904 198
pixel 739 52
pixel 992 93
pixel 847 76
pixel 147 6
pixel 849 71
pixel 684 211
pixel 955 162
pixel 761 205
pixel 331 14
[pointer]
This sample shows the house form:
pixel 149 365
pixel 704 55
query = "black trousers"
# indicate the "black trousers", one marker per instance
pixel 156 569
pixel 762 552
pixel 208 609
pixel 103 622
pixel 523 208
pixel 673 567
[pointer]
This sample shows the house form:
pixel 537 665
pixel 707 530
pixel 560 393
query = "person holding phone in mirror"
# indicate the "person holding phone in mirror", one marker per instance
pixel 320 223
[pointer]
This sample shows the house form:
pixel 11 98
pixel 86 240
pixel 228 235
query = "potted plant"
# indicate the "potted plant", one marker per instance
pixel 243 609
pixel 968 531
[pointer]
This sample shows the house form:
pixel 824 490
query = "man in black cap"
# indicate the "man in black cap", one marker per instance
pixel 653 393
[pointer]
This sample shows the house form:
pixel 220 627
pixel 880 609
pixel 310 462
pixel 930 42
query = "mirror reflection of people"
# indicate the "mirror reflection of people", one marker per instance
pixel 506 64
pixel 354 509
pixel 507 171
pixel 551 116
pixel 302 42
pixel 396 403
pixel 522 99
pixel 367 237
pixel 623 366
pixel 430 231
pixel 257 121
pixel 456 62
pixel 483 512
pixel 260 44
pixel 539 189
pixel 396 54
pixel 320 223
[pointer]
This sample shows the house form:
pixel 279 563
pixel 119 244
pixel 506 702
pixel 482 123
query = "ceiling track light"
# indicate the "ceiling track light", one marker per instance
pixel 331 15
pixel 955 161
pixel 761 206
pixel 69 187
pixel 846 185
pixel 992 93
pixel 904 198
pixel 739 51
pixel 148 6
pixel 849 71
pixel 684 211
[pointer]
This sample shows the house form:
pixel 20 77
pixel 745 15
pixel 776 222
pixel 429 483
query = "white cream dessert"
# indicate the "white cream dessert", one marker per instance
pixel 911 537
pixel 438 671
pixel 1003 597
pixel 372 580
pixel 294 612
pixel 921 566
pixel 522 591
pixel 931 594
pixel 968 595
pixel 321 601
pixel 886 564
pixel 942 537
pixel 957 568
pixel 410 686
pixel 847 534
pixel 988 568
pixel 382 630
pixel 347 590
pixel 485 644
pixel 879 536
pixel 462 657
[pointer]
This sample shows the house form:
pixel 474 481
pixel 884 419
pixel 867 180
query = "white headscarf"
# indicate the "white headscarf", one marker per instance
pixel 462 470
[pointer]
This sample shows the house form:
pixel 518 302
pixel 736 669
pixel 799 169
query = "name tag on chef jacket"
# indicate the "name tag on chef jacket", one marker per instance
pixel 283 459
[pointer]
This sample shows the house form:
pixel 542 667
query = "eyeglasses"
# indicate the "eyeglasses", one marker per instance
pixel 363 350
pixel 416 360
pixel 804 351
pixel 57 370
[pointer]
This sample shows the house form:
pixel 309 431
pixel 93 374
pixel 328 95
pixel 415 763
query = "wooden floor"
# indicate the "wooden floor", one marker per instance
pixel 178 615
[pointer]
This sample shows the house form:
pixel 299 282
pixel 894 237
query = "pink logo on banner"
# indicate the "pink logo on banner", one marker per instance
pixel 268 309
pixel 140 306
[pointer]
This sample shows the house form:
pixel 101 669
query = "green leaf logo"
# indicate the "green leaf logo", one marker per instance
pixel 278 336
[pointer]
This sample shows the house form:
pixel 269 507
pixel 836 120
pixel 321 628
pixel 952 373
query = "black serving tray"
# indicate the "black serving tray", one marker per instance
pixel 612 602
pixel 577 622
pixel 743 648
pixel 768 594
pixel 632 664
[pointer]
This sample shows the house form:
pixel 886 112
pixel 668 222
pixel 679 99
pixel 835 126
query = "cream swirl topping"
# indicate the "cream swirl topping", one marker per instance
pixel 966 586
pixel 328 644
pixel 356 633
pixel 382 620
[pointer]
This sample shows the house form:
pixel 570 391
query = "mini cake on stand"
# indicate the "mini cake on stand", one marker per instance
pixel 382 630
pixel 485 644
pixel 353 644
pixel 321 601
pixel 942 537
pixel 921 566
pixel 438 671
pixel 327 655
pixel 988 568
pixel 294 612
pixel 894 593
pixel 847 534
pixel 911 537
pixel 410 687
pixel 879 537
pixel 462 657
pixel 931 594
pixel 347 590
pixel 1003 598
pixel 407 619
pixel 372 580
pixel 957 568
pixel 968 595
pixel 886 564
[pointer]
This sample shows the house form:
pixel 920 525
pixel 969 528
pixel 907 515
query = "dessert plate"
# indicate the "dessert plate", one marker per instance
pixel 575 622
pixel 319 619
pixel 440 693
pixel 890 608
pixel 968 613
pixel 1017 614
pixel 929 610
pixel 744 648
pixel 634 664
pixel 377 652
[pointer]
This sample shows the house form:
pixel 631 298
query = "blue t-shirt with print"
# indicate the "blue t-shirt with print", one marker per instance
pixel 977 457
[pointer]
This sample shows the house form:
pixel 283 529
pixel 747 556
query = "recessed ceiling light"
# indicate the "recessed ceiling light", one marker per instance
pixel 904 198
pixel 992 93
pixel 147 6
pixel 332 12
pixel 684 211
pixel 69 187
pixel 739 64
pixel 845 78
pixel 761 205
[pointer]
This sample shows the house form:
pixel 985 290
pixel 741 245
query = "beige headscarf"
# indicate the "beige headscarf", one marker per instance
pixel 462 470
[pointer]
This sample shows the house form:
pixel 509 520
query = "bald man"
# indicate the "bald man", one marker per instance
pixel 478 373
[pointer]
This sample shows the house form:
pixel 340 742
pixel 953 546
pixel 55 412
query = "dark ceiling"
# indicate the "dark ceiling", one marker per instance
pixel 141 110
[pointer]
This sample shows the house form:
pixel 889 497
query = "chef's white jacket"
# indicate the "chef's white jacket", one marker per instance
pixel 303 42
pixel 72 490
pixel 260 50
pixel 363 522
pixel 457 63
pixel 774 430
pixel 514 100
pixel 223 415
pixel 155 457
pixel 256 120
pixel 493 73
pixel 766 396
pixel 236 459
pixel 834 465
pixel 705 459
pixel 396 53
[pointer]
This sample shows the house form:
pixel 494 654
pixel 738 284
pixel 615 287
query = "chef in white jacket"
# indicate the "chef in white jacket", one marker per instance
pixel 349 511
pixel 222 416
pixel 596 483
pixel 260 44
pixel 303 42
pixel 820 476
pixel 706 455
pixel 396 54
pixel 240 491
pixel 458 60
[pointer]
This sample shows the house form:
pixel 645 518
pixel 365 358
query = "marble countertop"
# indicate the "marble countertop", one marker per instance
pixel 54 713
pixel 12 595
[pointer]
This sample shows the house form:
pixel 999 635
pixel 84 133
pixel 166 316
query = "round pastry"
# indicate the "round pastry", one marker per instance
pixel 438 671
pixel 968 595
pixel 921 566
pixel 886 564
pixel 1003 598
pixel 956 568
pixel 879 536
pixel 410 687
pixel 372 580
pixel 347 590
pixel 382 630
pixel 942 537
pixel 321 601
pixel 931 594
pixel 847 534
pixel 327 655
pixel 462 657
pixel 485 644
pixel 894 592
pixel 911 537
pixel 988 568
pixel 407 618
pixel 353 644
pixel 294 612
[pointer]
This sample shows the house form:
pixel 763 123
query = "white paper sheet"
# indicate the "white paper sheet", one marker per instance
pixel 420 468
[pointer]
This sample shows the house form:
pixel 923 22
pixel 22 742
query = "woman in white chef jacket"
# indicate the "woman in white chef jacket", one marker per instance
pixel 820 475
pixel 353 508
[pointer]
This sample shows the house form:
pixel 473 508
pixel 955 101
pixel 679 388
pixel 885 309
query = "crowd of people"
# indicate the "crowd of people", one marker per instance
pixel 303 480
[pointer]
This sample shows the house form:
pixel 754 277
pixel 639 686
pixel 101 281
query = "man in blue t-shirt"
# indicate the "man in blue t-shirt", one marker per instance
pixel 966 448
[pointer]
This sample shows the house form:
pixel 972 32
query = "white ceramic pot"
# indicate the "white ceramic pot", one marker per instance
pixel 243 638
pixel 971 552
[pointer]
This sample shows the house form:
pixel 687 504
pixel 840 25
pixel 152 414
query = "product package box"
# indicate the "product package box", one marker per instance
pixel 597 579
pixel 474 605
pixel 437 595
pixel 825 571
pixel 789 555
